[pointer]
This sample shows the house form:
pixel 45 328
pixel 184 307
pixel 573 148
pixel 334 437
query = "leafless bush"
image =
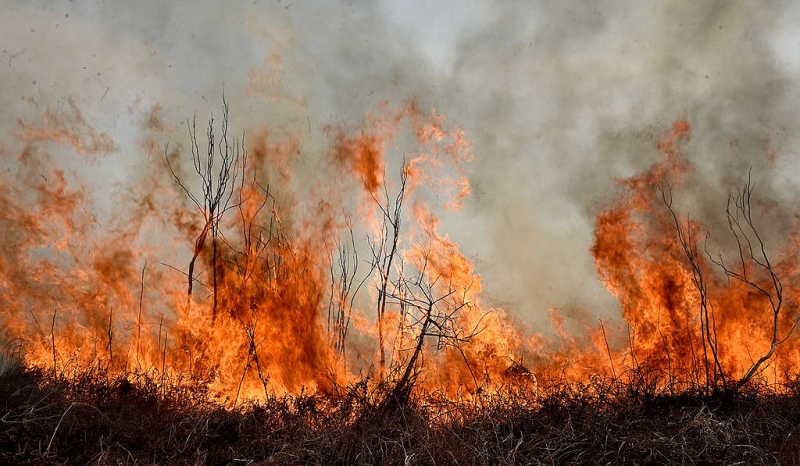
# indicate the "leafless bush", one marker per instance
pixel 218 168
pixel 754 267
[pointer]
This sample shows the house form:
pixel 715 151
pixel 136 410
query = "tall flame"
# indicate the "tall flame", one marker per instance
pixel 78 294
pixel 689 317
pixel 87 289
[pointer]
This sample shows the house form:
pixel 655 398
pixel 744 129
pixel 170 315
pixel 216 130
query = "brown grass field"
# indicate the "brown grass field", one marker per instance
pixel 134 419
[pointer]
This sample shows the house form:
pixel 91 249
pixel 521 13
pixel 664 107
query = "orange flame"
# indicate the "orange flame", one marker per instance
pixel 78 294
pixel 78 298
pixel 674 329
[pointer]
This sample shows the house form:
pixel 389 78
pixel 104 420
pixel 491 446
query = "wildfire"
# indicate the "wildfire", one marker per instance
pixel 278 283
pixel 694 317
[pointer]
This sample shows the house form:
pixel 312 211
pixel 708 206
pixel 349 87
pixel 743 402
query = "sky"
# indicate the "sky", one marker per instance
pixel 560 99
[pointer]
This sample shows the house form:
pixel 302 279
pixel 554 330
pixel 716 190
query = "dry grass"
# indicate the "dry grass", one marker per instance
pixel 92 419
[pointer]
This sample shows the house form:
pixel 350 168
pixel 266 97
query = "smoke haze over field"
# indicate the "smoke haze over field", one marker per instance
pixel 559 98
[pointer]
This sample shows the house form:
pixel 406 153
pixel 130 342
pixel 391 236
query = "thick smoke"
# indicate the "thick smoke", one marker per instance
pixel 559 98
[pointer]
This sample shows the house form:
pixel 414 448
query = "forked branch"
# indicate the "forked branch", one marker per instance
pixel 756 269
pixel 714 374
pixel 218 168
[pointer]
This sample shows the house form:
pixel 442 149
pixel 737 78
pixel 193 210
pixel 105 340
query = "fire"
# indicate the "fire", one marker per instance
pixel 694 317
pixel 253 322
pixel 288 292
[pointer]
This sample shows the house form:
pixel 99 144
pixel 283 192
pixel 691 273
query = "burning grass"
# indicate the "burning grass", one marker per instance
pixel 138 418
pixel 254 350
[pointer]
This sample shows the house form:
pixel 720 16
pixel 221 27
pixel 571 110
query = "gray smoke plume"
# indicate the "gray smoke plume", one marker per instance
pixel 559 97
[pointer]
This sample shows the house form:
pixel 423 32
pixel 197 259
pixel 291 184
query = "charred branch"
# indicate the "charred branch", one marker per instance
pixel 218 168
pixel 753 267
pixel 752 259
pixel 343 271
pixel 686 237
pixel 431 307
pixel 384 254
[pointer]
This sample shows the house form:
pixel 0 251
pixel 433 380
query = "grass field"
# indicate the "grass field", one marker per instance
pixel 134 419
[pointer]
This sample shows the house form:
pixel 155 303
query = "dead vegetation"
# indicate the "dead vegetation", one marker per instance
pixel 133 419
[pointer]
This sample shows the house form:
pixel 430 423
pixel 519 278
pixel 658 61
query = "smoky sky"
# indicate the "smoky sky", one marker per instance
pixel 560 99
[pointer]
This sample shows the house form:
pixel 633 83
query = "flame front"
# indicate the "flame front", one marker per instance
pixel 280 278
pixel 691 317
pixel 79 294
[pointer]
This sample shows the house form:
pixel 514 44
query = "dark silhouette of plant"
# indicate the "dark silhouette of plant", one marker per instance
pixel 754 267
pixel 218 168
